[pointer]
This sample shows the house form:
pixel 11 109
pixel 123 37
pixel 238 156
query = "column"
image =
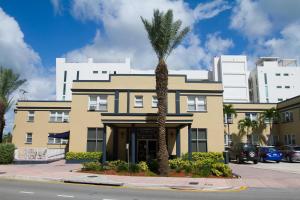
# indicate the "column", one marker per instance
pixel 104 145
pixel 189 142
pixel 115 143
pixel 178 142
pixel 133 154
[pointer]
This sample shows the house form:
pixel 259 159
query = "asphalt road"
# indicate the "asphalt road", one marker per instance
pixel 28 190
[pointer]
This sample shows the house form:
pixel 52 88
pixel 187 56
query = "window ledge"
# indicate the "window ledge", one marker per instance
pixel 97 110
pixel 59 122
pixel 55 144
pixel 196 111
pixel 27 142
pixel 138 106
pixel 29 121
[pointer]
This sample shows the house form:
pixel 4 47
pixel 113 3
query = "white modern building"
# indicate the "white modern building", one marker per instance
pixel 67 71
pixel 232 71
pixel 274 80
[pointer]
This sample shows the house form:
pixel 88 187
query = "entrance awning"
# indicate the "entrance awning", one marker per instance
pixel 64 135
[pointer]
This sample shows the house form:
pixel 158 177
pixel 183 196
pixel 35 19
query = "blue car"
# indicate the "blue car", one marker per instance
pixel 269 154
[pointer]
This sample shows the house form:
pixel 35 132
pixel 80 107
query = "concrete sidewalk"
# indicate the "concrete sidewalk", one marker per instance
pixel 59 171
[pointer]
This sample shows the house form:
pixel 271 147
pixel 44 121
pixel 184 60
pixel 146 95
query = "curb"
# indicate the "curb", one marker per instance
pixel 115 184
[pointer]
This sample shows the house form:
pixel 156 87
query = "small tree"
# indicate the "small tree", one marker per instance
pixel 229 111
pixel 270 115
pixel 9 82
pixel 164 35
pixel 245 125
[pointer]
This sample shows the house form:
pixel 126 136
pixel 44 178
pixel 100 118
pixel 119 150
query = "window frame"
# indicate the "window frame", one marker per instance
pixel 29 115
pixel 154 102
pixel 198 139
pixel 61 141
pixel 136 101
pixel 100 100
pixel 26 138
pixel 63 115
pixel 195 103
pixel 96 140
pixel 251 116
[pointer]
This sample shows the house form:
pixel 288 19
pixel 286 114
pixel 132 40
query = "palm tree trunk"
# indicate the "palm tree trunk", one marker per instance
pixel 2 120
pixel 161 74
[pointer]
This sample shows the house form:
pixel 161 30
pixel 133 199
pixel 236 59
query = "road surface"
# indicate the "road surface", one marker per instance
pixel 29 190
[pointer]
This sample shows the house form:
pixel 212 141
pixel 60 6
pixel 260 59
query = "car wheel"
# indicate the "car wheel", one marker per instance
pixel 277 161
pixel 255 161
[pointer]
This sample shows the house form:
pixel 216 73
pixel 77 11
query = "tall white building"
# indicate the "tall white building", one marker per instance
pixel 274 80
pixel 67 71
pixel 231 70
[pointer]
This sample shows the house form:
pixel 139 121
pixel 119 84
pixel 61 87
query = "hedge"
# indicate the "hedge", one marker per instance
pixel 215 156
pixel 7 152
pixel 95 156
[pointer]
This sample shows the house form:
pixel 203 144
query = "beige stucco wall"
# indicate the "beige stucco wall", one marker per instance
pixel 41 126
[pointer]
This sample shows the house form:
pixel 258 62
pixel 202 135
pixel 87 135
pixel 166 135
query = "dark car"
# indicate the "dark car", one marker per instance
pixel 290 153
pixel 269 153
pixel 243 152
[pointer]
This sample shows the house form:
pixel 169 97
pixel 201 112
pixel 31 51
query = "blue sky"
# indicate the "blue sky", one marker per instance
pixel 33 33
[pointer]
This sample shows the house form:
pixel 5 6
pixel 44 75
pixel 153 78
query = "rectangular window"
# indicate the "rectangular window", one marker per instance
pixel 98 103
pixel 285 74
pixel 28 138
pixel 196 103
pixel 138 101
pixel 278 86
pixel 59 116
pixel 154 101
pixel 94 140
pixel 289 139
pixel 30 117
pixel 277 74
pixel 64 89
pixel 95 72
pixel 53 140
pixel 102 102
pixel 65 76
pixel 104 72
pixel 77 75
pixel 279 99
pixel 199 140
pixel 265 78
pixel 287 87
pixel 251 116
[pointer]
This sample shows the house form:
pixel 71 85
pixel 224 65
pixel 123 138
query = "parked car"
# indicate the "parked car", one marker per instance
pixel 243 152
pixel 290 153
pixel 269 153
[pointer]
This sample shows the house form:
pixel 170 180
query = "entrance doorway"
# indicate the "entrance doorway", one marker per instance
pixel 147 149
pixel 146 144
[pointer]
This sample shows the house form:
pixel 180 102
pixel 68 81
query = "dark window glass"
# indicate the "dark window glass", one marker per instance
pixel 199 140
pixel 65 76
pixel 77 75
pixel 94 139
pixel 64 91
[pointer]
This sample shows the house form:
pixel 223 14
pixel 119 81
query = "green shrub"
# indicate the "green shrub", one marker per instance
pixel 92 166
pixel 221 169
pixel 202 168
pixel 95 156
pixel 7 152
pixel 134 168
pixel 215 156
pixel 118 165
pixel 153 166
pixel 143 167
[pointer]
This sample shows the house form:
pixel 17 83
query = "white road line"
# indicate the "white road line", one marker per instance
pixel 65 196
pixel 26 192
pixel 108 199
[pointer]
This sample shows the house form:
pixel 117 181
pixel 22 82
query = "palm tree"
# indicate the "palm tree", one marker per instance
pixel 228 111
pixel 164 35
pixel 9 82
pixel 245 125
pixel 270 115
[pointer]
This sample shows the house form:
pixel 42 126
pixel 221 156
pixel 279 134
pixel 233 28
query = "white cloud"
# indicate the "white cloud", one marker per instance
pixel 16 54
pixel 288 44
pixel 218 45
pixel 123 34
pixel 249 19
pixel 57 6
pixel 210 9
